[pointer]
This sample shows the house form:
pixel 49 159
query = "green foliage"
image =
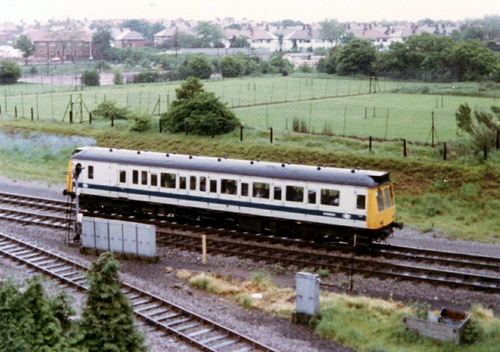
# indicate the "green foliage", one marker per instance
pixel 109 110
pixel 420 310
pixel 482 128
pixel 356 57
pixel 201 111
pixel 142 123
pixel 117 78
pixel 240 42
pixel 474 60
pixel 91 78
pixel 101 42
pixel 32 321
pixel 230 67
pixel 10 72
pixel 196 66
pixel 331 30
pixel 27 47
pixel 209 34
pixel 246 301
pixel 145 77
pixel 108 319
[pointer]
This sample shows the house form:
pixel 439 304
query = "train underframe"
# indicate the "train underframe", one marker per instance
pixel 235 221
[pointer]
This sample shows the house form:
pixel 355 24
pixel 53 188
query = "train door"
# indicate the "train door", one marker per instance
pixel 122 182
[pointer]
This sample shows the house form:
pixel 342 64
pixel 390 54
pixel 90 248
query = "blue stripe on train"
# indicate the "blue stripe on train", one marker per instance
pixel 260 206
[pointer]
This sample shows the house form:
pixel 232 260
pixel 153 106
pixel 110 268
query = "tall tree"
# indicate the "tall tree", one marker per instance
pixel 108 317
pixel 474 60
pixel 492 27
pixel 331 31
pixel 101 42
pixel 356 57
pixel 27 47
pixel 209 34
pixel 65 33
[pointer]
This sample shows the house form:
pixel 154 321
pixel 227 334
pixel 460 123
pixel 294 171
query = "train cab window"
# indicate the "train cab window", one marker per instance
pixel 361 201
pixel 387 198
pixel 167 180
pixel 213 186
pixel 311 197
pixel 260 190
pixel 144 178
pixel 182 182
pixel 228 186
pixel 203 184
pixel 123 176
pixel 135 177
pixel 330 197
pixel 380 200
pixel 391 196
pixel 244 189
pixel 154 180
pixel 294 194
pixel 277 194
pixel 192 183
pixel 90 173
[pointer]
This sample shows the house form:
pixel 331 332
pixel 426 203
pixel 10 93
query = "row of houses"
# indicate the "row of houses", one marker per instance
pixel 261 36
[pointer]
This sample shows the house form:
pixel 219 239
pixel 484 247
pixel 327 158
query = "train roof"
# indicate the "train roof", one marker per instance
pixel 255 168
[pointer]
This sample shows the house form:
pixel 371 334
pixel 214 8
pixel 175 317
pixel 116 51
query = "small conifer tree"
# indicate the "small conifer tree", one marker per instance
pixel 108 319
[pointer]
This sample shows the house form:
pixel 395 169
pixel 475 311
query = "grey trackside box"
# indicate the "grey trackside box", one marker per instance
pixel 119 236
pixel 307 293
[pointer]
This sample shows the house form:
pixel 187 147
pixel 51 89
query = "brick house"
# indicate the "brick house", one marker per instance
pixel 47 47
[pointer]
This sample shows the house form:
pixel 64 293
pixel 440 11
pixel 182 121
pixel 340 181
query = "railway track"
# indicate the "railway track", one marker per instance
pixel 195 330
pixel 384 261
pixel 348 263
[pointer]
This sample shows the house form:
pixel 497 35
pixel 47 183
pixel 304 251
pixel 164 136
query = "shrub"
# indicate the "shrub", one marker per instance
pixel 141 123
pixel 10 72
pixel 109 110
pixel 117 79
pixel 90 78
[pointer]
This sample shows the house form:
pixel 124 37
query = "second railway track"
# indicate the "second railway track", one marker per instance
pixel 417 264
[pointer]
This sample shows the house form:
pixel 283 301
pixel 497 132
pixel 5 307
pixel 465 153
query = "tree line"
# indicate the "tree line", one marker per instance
pixel 425 57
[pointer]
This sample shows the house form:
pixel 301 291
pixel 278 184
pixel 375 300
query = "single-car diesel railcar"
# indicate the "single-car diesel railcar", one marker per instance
pixel 279 198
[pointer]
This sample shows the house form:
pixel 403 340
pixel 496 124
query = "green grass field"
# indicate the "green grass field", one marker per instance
pixel 341 106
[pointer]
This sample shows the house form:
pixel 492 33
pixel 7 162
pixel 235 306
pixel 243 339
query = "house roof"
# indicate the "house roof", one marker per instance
pixel 40 35
pixel 129 35
pixel 168 32
pixel 371 34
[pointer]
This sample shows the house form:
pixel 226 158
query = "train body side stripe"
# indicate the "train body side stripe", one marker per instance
pixel 235 203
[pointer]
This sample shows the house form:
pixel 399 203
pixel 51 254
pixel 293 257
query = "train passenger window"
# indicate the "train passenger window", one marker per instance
pixel 330 197
pixel 123 176
pixel 380 200
pixel 361 201
pixel 213 186
pixel 244 189
pixel 182 182
pixel 294 194
pixel 311 197
pixel 154 180
pixel 135 177
pixel 260 190
pixel 167 180
pixel 277 193
pixel 228 186
pixel 90 170
pixel 144 178
pixel 203 184
pixel 192 183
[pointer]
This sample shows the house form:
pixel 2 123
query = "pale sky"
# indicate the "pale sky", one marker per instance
pixel 270 10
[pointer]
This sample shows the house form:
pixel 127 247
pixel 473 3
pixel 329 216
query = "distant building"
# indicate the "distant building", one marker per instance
pixel 47 47
pixel 129 39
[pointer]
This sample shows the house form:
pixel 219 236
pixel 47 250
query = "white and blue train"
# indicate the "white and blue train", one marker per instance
pixel 282 199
